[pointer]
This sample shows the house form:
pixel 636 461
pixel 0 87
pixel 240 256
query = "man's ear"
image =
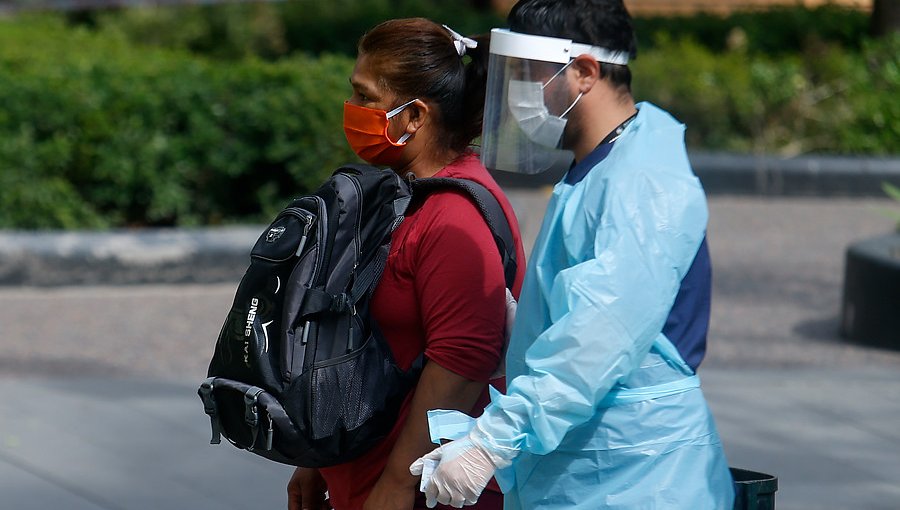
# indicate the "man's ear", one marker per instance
pixel 585 72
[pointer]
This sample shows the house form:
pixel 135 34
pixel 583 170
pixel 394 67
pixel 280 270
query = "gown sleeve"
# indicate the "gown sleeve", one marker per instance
pixel 604 312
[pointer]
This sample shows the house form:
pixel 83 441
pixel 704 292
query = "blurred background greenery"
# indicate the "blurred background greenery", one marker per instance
pixel 217 114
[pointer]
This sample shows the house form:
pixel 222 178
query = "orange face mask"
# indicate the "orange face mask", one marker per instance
pixel 367 132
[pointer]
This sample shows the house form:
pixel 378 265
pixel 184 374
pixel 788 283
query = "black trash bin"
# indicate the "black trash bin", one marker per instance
pixel 753 490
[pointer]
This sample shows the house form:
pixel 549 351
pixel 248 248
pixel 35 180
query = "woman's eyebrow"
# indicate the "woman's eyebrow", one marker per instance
pixel 360 87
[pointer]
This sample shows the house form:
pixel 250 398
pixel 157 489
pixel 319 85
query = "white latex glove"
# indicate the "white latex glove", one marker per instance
pixel 511 306
pixel 463 471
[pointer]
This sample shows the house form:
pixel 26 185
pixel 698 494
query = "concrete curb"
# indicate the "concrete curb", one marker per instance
pixel 125 257
pixel 736 174
pixel 798 176
pixel 215 255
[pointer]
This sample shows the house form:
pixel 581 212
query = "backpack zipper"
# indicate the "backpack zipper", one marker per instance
pixel 358 225
pixel 323 224
pixel 287 370
pixel 358 243
pixel 308 219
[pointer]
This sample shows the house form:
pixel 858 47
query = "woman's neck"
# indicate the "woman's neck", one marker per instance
pixel 425 164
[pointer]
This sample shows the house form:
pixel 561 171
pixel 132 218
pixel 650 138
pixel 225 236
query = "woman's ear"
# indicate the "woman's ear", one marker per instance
pixel 585 72
pixel 419 112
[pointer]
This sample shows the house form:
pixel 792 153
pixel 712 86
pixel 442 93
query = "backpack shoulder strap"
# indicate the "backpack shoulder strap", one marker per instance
pixel 367 276
pixel 490 209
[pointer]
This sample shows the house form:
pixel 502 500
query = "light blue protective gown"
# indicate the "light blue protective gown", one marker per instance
pixel 601 412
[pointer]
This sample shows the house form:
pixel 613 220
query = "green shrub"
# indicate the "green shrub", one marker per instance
pixel 94 132
pixel 230 31
pixel 100 132
pixel 336 25
pixel 273 30
pixel 825 100
pixel 775 31
pixel 893 192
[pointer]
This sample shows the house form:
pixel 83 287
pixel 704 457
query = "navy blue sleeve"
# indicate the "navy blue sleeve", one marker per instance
pixel 688 322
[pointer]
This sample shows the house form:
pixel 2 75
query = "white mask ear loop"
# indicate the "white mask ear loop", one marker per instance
pixel 573 105
pixel 561 69
pixel 397 110
pixel 400 108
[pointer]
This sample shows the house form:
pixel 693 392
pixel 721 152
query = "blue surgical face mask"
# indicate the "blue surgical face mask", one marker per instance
pixel 526 104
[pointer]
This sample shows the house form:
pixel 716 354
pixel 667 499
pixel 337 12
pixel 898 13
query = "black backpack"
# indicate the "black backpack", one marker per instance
pixel 301 373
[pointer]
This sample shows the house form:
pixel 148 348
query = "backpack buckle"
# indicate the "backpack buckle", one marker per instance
pixel 209 405
pixel 270 433
pixel 251 413
pixel 340 303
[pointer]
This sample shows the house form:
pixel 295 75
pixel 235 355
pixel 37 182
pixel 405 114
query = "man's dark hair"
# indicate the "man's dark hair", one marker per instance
pixel 604 23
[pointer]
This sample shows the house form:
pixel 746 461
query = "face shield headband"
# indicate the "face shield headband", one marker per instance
pixel 549 49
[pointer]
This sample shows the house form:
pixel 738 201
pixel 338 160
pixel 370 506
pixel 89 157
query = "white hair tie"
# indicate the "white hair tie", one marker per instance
pixel 461 42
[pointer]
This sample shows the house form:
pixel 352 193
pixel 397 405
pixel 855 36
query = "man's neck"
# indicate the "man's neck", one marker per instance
pixel 603 116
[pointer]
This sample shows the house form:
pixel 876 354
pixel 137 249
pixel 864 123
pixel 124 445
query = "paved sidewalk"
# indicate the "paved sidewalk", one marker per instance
pixel 88 443
pixel 140 444
pixel 829 435
pixel 100 410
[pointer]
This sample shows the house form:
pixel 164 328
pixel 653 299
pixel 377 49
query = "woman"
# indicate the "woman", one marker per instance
pixel 416 107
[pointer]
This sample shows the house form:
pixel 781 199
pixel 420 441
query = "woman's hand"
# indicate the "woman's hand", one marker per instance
pixel 306 490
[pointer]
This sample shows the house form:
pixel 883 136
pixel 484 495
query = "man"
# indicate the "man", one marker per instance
pixel 601 409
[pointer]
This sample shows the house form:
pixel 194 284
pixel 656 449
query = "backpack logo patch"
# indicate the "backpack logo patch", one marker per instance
pixel 274 234
pixel 251 316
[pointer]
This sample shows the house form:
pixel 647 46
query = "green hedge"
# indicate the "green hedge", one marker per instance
pixel 99 132
pixel 96 133
pixel 273 30
pixel 775 31
pixel 825 100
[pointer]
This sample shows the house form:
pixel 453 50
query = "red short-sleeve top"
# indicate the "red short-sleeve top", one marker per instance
pixel 442 292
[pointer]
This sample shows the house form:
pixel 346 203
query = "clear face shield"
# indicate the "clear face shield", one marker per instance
pixel 528 100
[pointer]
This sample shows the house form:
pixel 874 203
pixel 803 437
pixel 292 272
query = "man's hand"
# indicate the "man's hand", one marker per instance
pixel 460 477
pixel 306 490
